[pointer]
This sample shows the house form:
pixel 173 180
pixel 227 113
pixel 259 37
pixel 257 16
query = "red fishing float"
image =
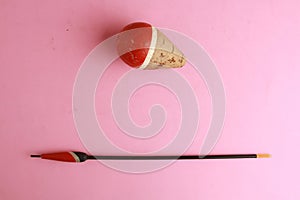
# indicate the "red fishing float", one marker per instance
pixel 141 45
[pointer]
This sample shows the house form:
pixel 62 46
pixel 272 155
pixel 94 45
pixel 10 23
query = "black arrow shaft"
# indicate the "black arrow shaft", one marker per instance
pixel 191 157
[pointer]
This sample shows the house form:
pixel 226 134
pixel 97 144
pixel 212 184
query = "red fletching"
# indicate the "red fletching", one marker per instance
pixel 63 156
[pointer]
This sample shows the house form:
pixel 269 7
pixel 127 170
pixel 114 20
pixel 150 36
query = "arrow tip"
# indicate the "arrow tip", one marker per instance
pixel 35 156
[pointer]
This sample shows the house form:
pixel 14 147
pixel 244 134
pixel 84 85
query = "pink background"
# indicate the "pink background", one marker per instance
pixel 255 45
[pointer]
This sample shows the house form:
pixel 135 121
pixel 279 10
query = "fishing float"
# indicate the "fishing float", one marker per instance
pixel 75 156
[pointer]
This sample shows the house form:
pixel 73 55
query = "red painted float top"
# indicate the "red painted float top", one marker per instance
pixel 132 42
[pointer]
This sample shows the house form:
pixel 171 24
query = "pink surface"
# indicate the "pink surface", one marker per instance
pixel 255 46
